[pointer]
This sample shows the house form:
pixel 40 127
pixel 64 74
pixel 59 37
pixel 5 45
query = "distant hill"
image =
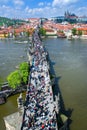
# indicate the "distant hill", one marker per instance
pixel 10 22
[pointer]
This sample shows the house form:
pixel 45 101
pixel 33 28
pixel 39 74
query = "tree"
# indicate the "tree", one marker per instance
pixel 19 76
pixel 79 32
pixel 24 71
pixel 74 31
pixel 5 35
pixel 14 79
pixel 15 35
pixel 28 33
pixel 24 32
pixel 42 31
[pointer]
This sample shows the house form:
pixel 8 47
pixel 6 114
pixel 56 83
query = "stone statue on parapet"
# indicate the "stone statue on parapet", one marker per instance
pixel 20 101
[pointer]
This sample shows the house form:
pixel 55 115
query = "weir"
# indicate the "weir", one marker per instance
pixel 40 109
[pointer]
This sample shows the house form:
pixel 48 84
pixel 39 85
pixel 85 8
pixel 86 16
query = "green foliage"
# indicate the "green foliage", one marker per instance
pixel 74 31
pixel 24 71
pixel 15 34
pixel 28 33
pixel 79 32
pixel 14 79
pixel 4 34
pixel 19 77
pixel 42 31
pixel 11 22
pixel 61 31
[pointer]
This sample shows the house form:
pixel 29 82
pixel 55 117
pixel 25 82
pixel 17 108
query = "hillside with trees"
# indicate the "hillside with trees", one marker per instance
pixel 10 22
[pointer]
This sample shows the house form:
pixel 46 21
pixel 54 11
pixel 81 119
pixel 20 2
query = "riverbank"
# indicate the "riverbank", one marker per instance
pixel 75 37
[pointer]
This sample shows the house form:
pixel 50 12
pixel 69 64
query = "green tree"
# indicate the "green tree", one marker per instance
pixel 19 76
pixel 79 32
pixel 14 79
pixel 24 32
pixel 24 71
pixel 42 31
pixel 74 31
pixel 15 34
pixel 5 34
pixel 28 33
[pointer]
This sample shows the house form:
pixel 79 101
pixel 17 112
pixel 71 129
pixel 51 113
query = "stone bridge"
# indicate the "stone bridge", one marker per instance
pixel 40 109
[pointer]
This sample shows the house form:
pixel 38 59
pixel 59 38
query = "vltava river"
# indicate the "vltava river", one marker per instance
pixel 70 58
pixel 11 55
pixel 70 64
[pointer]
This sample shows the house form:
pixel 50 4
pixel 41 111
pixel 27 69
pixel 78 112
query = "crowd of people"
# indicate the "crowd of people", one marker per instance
pixel 39 108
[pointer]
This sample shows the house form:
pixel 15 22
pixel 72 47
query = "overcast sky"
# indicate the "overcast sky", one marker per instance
pixel 41 8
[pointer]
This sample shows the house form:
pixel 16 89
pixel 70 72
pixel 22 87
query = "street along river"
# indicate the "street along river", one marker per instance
pixel 69 59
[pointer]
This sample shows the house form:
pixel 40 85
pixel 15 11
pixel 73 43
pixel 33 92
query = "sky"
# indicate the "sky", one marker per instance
pixel 41 8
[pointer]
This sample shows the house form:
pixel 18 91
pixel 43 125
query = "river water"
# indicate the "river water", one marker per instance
pixel 70 65
pixel 69 60
pixel 11 55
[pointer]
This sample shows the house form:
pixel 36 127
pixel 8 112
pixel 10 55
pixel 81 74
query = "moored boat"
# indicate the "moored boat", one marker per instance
pixel 69 37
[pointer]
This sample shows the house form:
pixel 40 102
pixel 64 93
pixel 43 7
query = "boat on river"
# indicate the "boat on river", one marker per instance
pixel 61 35
pixel 21 41
pixel 69 37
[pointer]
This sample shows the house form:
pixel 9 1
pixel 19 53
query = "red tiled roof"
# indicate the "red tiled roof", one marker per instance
pixel 49 30
pixel 82 29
